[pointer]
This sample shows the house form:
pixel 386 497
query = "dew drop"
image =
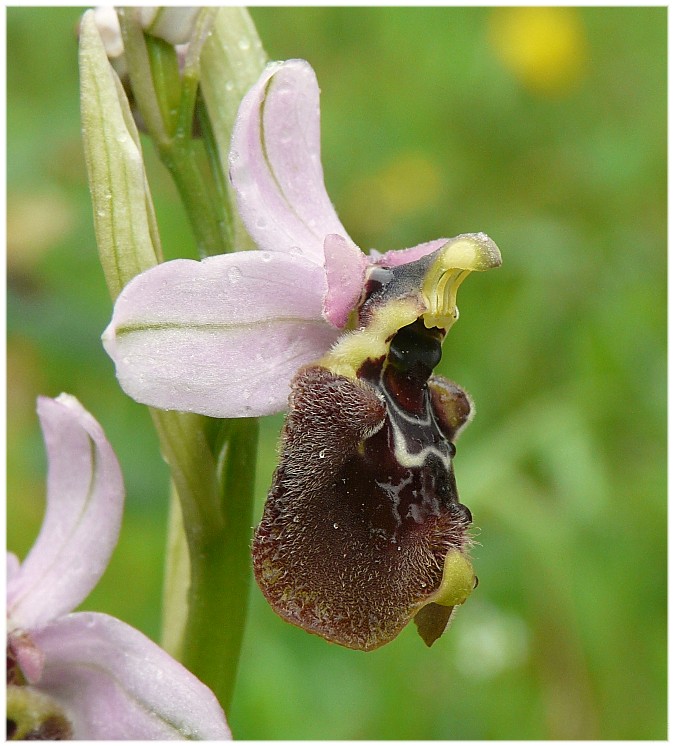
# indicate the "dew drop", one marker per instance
pixel 296 251
pixel 266 256
pixel 234 274
pixel 229 86
pixel 246 394
pixel 336 525
pixel 244 44
pixel 322 453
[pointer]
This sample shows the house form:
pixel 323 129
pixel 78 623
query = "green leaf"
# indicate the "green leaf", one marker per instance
pixel 124 219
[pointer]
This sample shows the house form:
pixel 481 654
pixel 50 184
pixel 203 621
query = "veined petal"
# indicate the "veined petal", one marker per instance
pixel 404 256
pixel 275 163
pixel 116 684
pixel 222 337
pixel 85 499
pixel 345 267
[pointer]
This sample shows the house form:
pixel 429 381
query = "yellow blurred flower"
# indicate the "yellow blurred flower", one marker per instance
pixel 544 48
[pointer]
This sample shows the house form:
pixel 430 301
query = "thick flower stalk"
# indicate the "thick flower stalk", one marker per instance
pixel 87 675
pixel 363 529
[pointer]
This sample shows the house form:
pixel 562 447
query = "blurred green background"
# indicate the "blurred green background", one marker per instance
pixel 547 130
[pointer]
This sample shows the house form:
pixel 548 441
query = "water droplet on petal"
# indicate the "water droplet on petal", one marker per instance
pixel 244 44
pixel 234 274
pixel 336 525
pixel 296 251
pixel 266 256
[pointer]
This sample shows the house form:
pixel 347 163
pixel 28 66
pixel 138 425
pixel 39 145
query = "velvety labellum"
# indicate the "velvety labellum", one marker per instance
pixel 364 509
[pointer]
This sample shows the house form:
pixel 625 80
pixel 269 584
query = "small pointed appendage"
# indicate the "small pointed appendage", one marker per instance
pixel 458 581
pixel 431 622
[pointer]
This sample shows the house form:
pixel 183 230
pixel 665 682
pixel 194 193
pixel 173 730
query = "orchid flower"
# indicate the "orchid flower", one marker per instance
pixel 362 530
pixel 87 675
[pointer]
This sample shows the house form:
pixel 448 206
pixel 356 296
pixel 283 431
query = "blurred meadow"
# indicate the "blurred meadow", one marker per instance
pixel 545 128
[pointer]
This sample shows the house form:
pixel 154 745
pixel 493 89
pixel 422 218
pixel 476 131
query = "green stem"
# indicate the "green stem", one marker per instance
pixel 204 216
pixel 166 103
pixel 220 182
pixel 211 464
pixel 184 445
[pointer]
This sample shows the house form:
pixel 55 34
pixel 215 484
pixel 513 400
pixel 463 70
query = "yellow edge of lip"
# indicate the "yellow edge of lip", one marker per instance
pixel 355 347
pixel 457 580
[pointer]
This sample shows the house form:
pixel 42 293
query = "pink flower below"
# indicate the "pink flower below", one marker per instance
pixel 107 680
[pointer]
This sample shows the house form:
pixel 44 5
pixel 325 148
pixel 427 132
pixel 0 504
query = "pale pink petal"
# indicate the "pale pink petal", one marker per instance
pixel 222 337
pixel 85 499
pixel 116 684
pixel 404 256
pixel 275 163
pixel 345 267
pixel 12 566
